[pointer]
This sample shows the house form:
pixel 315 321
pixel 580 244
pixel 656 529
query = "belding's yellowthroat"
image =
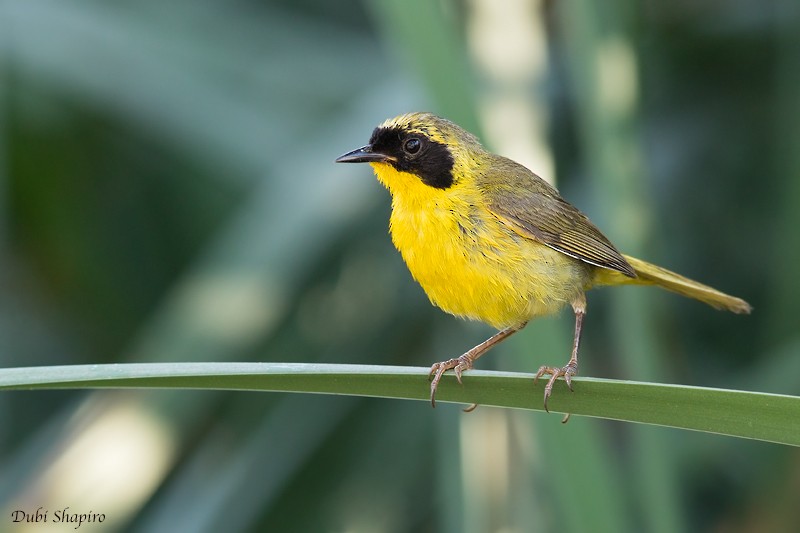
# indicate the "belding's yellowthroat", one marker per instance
pixel 489 240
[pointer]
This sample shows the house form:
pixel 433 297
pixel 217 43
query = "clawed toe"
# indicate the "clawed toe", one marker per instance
pixel 555 372
pixel 457 365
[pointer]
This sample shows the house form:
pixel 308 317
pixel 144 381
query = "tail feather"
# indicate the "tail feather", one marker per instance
pixel 649 274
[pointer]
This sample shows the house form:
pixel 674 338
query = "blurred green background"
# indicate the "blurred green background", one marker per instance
pixel 168 193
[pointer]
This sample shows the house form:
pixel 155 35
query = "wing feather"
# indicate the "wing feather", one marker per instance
pixel 534 209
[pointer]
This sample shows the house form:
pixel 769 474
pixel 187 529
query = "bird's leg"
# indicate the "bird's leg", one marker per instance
pixel 571 368
pixel 465 361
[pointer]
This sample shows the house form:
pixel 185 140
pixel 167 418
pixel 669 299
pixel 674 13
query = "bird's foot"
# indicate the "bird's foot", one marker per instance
pixel 555 372
pixel 457 365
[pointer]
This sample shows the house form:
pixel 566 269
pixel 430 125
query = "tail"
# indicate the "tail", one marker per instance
pixel 649 274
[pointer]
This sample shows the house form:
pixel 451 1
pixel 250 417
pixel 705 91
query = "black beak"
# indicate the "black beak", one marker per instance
pixel 363 155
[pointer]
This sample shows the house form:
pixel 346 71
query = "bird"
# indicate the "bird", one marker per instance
pixel 489 240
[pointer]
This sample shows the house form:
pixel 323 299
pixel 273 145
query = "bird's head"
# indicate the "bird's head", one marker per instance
pixel 433 151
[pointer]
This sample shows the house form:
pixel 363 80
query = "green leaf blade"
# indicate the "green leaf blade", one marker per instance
pixel 753 415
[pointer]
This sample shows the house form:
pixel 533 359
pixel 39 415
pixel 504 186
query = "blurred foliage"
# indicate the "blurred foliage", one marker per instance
pixel 167 193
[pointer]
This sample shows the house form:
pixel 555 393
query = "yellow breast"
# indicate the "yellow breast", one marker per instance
pixel 468 262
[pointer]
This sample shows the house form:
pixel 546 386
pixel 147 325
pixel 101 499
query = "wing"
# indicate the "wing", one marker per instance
pixel 534 209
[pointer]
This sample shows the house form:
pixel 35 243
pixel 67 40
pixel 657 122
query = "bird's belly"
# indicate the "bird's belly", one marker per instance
pixel 483 271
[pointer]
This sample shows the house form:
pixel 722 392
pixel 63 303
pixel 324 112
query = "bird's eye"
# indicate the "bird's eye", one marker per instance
pixel 412 145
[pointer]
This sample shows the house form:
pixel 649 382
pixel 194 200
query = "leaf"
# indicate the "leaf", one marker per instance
pixel 761 416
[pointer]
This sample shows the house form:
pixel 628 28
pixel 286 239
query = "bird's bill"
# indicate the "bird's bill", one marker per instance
pixel 364 155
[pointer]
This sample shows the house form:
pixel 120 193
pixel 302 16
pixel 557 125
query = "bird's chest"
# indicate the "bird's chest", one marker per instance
pixel 438 243
pixel 471 265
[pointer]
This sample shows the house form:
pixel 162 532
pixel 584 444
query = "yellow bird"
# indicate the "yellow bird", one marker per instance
pixel 489 240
